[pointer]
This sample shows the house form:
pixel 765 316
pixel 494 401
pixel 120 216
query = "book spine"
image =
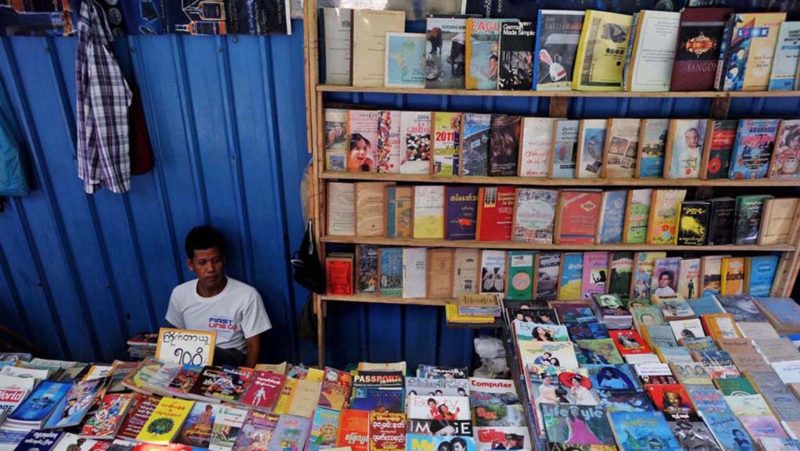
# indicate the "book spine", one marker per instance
pixel 722 66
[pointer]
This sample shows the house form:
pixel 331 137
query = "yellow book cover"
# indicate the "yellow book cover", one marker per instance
pixel 732 276
pixel 278 368
pixel 451 312
pixel 165 422
pixel 601 51
pixel 664 212
pixel 429 211
pixel 761 49
pixel 369 28
pixel 304 398
pixel 446 131
pixel 315 374
pixel 282 404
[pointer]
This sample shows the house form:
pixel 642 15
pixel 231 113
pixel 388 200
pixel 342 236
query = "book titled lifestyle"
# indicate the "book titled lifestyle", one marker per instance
pixel 369 29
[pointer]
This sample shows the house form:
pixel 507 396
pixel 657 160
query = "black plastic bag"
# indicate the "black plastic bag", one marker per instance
pixel 307 267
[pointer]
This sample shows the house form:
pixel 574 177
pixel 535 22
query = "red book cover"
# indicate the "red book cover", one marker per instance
pixel 699 39
pixel 354 430
pixel 140 411
pixel 335 390
pixel 387 431
pixel 264 389
pixel 629 342
pixel 339 275
pixel 672 400
pixel 495 213
pixel 578 213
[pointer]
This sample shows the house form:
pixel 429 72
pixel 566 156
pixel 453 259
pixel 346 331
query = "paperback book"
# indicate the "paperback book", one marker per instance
pixel 565 147
pixel 557 35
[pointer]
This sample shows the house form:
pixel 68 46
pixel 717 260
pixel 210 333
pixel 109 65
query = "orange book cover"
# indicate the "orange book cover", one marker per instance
pixel 577 217
pixel 495 213
pixel 354 430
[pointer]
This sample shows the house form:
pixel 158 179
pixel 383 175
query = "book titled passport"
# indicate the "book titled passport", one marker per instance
pixel 461 211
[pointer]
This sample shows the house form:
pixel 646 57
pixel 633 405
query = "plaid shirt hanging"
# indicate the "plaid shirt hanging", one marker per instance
pixel 103 100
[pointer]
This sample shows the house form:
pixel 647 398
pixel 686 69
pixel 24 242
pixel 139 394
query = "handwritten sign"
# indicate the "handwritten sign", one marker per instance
pixel 185 347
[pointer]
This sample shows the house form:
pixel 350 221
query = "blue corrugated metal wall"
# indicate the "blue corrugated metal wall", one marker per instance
pixel 226 116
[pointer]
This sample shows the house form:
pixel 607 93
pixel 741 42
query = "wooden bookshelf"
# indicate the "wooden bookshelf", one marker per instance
pixel 534 181
pixel 559 101
pixel 512 245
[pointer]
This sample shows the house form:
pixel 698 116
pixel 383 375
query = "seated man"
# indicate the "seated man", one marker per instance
pixel 217 303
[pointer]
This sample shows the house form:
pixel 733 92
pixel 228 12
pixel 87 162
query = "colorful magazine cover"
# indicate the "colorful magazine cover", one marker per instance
pixel 445 52
pixel 290 433
pixel 107 419
pixel 420 442
pixel 257 431
pixel 625 400
pixel 324 426
pixel 75 405
pixel 41 402
pixel 576 425
pixel 196 430
pixel 612 377
pixel 752 149
pixel 642 431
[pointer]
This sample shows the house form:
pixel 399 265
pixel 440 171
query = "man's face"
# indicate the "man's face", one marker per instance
pixel 458 447
pixel 208 265
pixel 663 281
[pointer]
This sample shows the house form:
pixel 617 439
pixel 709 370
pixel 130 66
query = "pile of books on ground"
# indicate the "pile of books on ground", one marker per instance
pixel 150 405
pixel 707 373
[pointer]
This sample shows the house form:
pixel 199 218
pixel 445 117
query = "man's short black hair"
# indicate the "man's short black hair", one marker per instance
pixel 204 237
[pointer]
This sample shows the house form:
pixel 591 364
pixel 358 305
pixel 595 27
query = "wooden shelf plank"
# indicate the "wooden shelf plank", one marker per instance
pixel 533 181
pixel 366 299
pixel 415 242
pixel 497 93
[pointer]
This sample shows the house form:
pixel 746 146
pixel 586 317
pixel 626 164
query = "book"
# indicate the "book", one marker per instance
pixel 557 35
pixel 672 401
pixel 642 430
pixel 643 264
pixel 520 275
pixel 387 431
pixel 664 213
pixel 75 405
pixel 653 51
pixel 600 57
pixel 720 325
pixel 723 424
pixel 748 218
pixel 612 217
pixel 693 223
pixel 461 211
pixel 782 312
pixel 341 209
pixel 629 342
pixel 142 407
pixel 689 278
pixel 620 270
pixel 226 383
pixel 339 274
pixel 40 404
pixel 414 272
pixel 624 401
pixel 504 145
pixel 743 308
pixel 304 397
pixel 335 27
pixel 720 137
pixel 465 271
pixel 482 53
pixel 446 35
pixel 488 437
pixel 440 270
pixel 752 148
pixel 165 421
pixel 391 271
pixel 652 148
pixel 705 304
pixel 698 48
pixel 362 135
pixel 439 415
pixel 415 132
pixel 684 151
pixel 107 419
pixel 536 144
pixel 369 28
pixel 576 425
pixel 474 146
pixel 264 388
pixel 622 147
pixel 565 147
pixel 597 351
pixel 785 161
pixel 227 425
pixel 594 274
pixel 290 432
pixel 570 277
pixel 335 138
pixel 431 387
pixel 587 331
pixel 759 272
pixel 591 142
pixel 675 308
pixel 747 59
pixel 721 220
pixel 516 56
pixel 547 267
pixel 495 213
pixel 442 372
pixel 446 131
pixel 784 61
pixel 575 312
pixel 534 215
pixel 429 211
pixel 637 214
pixel 366 268
pixel 335 388
pixel 405 60
pixel 577 213
pixel 493 271
pixel 388 148
pixel 196 430
pixel 399 200
pixel 419 442
pixel 370 208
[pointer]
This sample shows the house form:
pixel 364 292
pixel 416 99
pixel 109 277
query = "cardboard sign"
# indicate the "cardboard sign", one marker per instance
pixel 185 347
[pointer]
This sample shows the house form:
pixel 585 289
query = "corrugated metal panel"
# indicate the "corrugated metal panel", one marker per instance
pixel 79 274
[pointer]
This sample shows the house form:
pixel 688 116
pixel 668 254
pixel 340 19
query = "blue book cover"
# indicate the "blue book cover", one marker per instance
pixel 625 401
pixel 653 147
pixel 41 403
pixel 705 305
pixel 38 440
pixel 785 309
pixel 405 60
pixel 587 331
pixel 752 148
pixel 323 429
pixel 390 399
pixel 712 407
pixel 461 212
pixel 612 377
pixel 391 278
pixel 571 276
pixel 612 218
pixel 74 406
pixel 421 442
pixel 642 431
pixel 474 146
pixel 391 211
pixel 760 273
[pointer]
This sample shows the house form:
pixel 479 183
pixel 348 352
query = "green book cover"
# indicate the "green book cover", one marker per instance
pixel 748 217
pixel 735 386
pixel 391 280
pixel 620 271
pixel 520 275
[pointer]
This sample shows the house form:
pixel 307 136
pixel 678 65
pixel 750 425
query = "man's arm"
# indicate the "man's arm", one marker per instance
pixel 253 348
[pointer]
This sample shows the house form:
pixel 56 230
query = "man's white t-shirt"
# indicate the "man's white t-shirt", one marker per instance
pixel 235 314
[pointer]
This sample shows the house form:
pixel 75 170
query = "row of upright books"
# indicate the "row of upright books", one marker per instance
pixel 547 216
pixel 697 49
pixel 723 377
pixel 478 144
pixel 543 276
pixel 373 408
